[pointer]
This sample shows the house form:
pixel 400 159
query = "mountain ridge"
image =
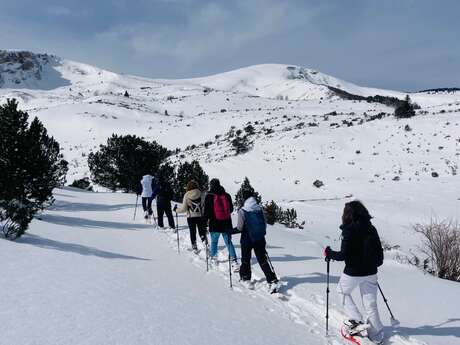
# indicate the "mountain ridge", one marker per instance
pixel 27 70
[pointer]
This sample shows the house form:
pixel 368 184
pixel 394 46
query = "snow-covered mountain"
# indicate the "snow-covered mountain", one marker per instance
pixel 290 105
pixel 284 81
pixel 26 70
pixel 303 130
pixel 22 69
pixel 299 130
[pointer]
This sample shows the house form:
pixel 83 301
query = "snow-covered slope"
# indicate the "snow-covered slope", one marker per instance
pixel 284 81
pixel 25 70
pixel 301 131
pixel 86 273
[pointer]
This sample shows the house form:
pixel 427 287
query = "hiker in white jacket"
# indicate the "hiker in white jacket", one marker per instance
pixel 193 204
pixel 147 189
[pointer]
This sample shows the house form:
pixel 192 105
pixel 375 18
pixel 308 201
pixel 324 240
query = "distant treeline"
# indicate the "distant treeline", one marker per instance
pixel 386 100
pixel 442 89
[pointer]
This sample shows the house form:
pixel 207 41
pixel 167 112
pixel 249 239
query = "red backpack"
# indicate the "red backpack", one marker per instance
pixel 221 207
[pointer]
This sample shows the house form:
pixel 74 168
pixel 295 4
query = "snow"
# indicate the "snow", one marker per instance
pixel 87 274
pixel 96 277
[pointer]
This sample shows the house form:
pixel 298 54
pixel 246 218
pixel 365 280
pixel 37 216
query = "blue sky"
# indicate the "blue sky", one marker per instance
pixel 397 44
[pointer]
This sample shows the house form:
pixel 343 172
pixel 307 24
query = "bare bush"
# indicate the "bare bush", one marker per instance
pixel 441 244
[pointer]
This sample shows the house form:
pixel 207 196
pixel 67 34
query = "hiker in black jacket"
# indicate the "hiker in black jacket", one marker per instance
pixel 164 197
pixel 362 252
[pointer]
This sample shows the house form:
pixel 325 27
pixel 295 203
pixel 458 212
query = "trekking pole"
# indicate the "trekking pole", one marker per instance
pixel 135 209
pixel 177 232
pixel 386 302
pixel 270 262
pixel 230 270
pixel 154 220
pixel 327 298
pixel 207 253
pixel 229 261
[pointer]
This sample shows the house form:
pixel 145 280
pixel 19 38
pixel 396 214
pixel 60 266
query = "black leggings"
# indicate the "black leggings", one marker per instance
pixel 193 224
pixel 165 208
pixel 147 204
pixel 261 254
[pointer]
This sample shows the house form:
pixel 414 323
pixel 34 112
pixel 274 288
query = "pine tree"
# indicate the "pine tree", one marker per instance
pixel 405 109
pixel 166 173
pixel 83 183
pixel 245 186
pixel 31 165
pixel 272 212
pixel 120 164
pixel 47 167
pixel 241 144
pixel 186 172
pixel 275 214
pixel 289 218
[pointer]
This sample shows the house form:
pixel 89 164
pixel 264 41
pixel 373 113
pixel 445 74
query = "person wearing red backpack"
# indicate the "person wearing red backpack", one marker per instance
pixel 218 207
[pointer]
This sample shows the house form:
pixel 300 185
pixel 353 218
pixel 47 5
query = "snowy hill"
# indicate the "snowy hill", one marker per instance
pixel 405 171
pixel 284 81
pixel 25 70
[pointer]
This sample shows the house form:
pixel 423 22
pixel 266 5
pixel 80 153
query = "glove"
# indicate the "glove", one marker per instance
pixel 175 208
pixel 327 253
pixel 234 231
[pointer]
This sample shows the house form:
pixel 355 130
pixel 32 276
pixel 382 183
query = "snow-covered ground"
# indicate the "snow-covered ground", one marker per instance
pixel 86 273
pixel 61 273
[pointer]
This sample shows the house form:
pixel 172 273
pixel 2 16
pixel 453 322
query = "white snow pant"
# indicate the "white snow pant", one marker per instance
pixel 368 288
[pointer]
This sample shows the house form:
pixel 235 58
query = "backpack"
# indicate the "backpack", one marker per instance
pixel 221 207
pixel 255 225
pixel 373 251
pixel 196 207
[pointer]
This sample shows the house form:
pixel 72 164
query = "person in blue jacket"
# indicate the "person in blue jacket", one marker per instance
pixel 252 225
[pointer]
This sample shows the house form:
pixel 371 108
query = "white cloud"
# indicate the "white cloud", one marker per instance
pixel 211 29
pixel 62 11
pixel 59 11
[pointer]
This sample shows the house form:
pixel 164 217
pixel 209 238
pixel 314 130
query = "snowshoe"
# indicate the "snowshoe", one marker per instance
pixel 361 338
pixel 204 240
pixel 274 286
pixel 349 337
pixel 355 327
pixel 248 283
pixel 213 262
pixel 235 266
pixel 195 249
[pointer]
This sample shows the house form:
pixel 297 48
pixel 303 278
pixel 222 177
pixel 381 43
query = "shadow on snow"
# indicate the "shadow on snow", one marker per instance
pixel 433 330
pixel 73 248
pixel 89 223
pixel 313 278
pixel 289 258
pixel 77 206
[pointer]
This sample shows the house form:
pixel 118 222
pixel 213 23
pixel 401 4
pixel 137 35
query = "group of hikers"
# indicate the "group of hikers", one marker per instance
pixel 360 247
pixel 212 210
